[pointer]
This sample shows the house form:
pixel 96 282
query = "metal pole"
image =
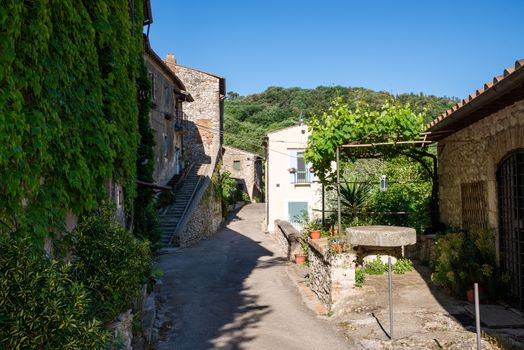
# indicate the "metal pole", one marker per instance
pixel 338 195
pixel 323 207
pixel 477 314
pixel 390 300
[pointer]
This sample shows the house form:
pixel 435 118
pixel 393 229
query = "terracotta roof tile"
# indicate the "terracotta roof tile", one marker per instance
pixel 498 78
pixel 487 86
pixel 508 71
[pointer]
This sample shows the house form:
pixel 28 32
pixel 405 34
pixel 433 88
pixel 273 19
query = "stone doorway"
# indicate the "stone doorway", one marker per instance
pixel 510 185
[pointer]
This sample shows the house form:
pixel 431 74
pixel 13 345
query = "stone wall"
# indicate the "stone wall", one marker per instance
pixel 287 237
pixel 331 276
pixel 472 155
pixel 203 140
pixel 424 250
pixel 205 219
pixel 168 142
pixel 249 172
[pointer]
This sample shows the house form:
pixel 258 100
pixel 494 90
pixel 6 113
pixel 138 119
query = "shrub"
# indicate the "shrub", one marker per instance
pixel 465 258
pixel 110 262
pixel 376 267
pixel 40 306
pixel 360 277
pixel 402 266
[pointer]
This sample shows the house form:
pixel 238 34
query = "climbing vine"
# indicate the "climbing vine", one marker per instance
pixel 68 108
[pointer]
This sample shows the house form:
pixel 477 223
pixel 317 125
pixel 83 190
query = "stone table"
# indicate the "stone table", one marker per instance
pixel 380 240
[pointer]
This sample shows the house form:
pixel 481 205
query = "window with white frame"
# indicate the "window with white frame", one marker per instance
pixel 299 168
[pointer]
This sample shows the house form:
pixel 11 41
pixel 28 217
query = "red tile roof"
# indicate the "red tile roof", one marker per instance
pixel 499 93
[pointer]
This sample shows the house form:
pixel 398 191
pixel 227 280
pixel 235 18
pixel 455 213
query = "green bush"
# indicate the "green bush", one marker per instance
pixel 402 266
pixel 110 262
pixel 40 306
pixel 465 258
pixel 360 277
pixel 376 267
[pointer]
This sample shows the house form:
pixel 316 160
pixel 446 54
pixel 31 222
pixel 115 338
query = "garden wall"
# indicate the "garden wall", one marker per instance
pixel 424 250
pixel 331 276
pixel 287 237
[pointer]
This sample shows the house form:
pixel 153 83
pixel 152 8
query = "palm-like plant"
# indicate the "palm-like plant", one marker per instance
pixel 355 196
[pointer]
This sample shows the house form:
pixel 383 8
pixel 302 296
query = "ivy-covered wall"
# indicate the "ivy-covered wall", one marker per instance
pixel 68 107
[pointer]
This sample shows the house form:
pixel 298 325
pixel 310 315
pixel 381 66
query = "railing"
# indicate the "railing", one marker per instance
pixel 302 177
pixel 180 120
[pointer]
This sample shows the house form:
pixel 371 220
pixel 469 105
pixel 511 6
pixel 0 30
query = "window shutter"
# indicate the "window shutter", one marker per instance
pixel 292 164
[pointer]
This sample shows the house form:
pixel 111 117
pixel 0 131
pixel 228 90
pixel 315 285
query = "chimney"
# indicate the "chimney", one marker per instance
pixel 171 58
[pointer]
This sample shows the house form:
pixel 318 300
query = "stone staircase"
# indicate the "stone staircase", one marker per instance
pixel 173 215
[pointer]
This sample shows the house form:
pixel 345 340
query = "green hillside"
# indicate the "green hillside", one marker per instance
pixel 247 119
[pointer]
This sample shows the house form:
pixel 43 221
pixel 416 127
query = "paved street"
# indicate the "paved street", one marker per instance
pixel 233 292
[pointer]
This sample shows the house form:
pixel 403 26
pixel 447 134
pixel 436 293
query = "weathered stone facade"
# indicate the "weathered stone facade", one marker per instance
pixel 331 276
pixel 203 141
pixel 472 155
pixel 166 118
pixel 204 220
pixel 246 169
pixel 287 237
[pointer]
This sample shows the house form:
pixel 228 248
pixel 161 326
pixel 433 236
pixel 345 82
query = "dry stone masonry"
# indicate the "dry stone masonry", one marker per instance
pixel 331 276
pixel 287 236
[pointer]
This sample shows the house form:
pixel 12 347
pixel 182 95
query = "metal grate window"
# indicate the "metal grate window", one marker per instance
pixel 474 205
pixel 510 186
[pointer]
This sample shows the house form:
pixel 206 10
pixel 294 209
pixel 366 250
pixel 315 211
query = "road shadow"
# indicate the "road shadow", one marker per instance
pixel 206 303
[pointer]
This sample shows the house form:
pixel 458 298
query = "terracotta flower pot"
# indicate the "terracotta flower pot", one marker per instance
pixel 300 259
pixel 314 234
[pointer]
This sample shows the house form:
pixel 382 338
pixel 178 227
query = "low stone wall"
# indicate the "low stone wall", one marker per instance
pixel 287 237
pixel 122 329
pixel 205 220
pixel 331 276
pixel 424 250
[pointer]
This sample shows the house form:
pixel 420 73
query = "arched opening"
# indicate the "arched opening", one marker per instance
pixel 510 186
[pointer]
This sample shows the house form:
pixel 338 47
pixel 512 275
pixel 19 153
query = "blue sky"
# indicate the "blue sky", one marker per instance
pixel 436 47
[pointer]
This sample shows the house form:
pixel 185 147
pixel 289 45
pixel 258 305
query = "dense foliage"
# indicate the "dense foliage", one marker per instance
pixel 145 219
pixel 41 306
pixel 463 258
pixel 249 118
pixel 68 107
pixel 392 122
pixel 109 261
pixel 342 125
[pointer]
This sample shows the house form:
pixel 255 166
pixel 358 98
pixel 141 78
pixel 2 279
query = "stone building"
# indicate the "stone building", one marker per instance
pixel 167 117
pixel 246 169
pixel 291 186
pixel 205 115
pixel 481 167
pixel 197 211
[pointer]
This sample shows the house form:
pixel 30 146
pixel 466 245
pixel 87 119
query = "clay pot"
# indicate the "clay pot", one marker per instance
pixel 300 259
pixel 314 234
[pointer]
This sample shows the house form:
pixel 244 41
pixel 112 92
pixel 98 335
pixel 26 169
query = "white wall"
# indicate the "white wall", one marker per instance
pixel 279 189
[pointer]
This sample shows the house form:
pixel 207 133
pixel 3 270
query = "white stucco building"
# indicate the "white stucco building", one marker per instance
pixel 291 186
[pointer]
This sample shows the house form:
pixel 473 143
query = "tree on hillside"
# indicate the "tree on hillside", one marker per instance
pixel 247 119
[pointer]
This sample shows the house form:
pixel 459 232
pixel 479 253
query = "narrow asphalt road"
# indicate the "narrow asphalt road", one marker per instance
pixel 233 292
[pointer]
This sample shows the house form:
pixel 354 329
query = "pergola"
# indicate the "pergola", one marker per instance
pixel 422 142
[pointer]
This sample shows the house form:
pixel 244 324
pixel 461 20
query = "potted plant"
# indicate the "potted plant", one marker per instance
pixel 315 230
pixel 300 257
pixel 337 246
